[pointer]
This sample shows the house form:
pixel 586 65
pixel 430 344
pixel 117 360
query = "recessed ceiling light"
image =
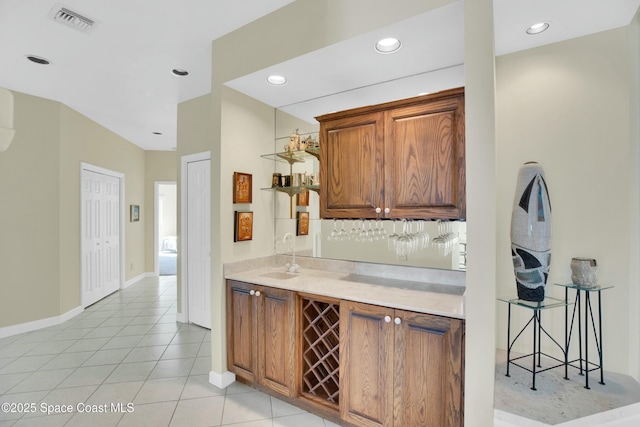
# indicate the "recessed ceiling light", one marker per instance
pixel 538 28
pixel 388 45
pixel 276 80
pixel 179 72
pixel 424 93
pixel 38 60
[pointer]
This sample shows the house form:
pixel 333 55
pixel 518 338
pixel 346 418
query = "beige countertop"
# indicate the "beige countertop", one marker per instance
pixel 440 299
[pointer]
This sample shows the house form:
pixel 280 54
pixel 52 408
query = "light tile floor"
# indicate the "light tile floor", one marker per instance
pixel 128 350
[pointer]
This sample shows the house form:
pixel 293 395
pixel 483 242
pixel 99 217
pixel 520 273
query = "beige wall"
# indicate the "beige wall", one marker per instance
pixel 30 214
pixel 480 117
pixel 247 132
pixel 262 43
pixel 194 136
pixel 634 159
pixel 83 140
pixel 567 106
pixel 40 183
pixel 159 166
pixel 498 154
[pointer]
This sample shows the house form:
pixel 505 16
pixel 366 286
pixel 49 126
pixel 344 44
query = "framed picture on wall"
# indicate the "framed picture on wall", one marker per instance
pixel 303 224
pixel 243 226
pixel 241 187
pixel 135 213
pixel 303 199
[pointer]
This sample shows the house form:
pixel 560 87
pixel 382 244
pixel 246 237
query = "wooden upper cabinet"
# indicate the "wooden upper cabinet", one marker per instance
pixel 406 158
pixel 351 161
pixel 425 161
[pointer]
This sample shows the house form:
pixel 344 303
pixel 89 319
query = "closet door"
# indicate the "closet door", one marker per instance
pixel 100 235
pixel 199 243
pixel 111 241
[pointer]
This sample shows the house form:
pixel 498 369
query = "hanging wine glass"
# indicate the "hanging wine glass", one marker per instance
pixel 391 240
pixel 334 236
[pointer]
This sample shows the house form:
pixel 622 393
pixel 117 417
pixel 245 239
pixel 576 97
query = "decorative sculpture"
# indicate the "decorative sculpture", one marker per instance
pixel 531 232
pixel 583 272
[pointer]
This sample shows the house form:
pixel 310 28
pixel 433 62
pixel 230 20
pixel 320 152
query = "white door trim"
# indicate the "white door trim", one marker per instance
pixel 156 223
pixel 93 168
pixel 183 316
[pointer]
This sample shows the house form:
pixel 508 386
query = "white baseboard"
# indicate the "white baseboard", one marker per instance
pixel 222 380
pixel 21 328
pixel 137 279
pixel 626 416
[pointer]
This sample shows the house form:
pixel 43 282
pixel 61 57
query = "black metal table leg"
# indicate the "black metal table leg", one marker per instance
pixel 535 330
pixel 582 363
pixel 566 334
pixel 579 305
pixel 508 338
pixel 587 303
pixel 539 339
pixel 601 346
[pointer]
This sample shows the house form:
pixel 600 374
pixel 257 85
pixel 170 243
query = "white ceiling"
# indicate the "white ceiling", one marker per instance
pixel 119 74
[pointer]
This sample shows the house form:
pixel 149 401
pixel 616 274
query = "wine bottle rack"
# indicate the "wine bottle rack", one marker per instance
pixel 320 356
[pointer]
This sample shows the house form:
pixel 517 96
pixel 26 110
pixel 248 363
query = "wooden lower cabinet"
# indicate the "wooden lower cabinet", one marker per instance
pixel 400 368
pixel 261 335
pixel 353 363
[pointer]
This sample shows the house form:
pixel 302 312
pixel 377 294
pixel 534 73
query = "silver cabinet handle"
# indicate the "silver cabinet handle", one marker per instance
pixel 387 210
pixel 257 293
pixel 387 319
pixel 397 320
pixel 252 292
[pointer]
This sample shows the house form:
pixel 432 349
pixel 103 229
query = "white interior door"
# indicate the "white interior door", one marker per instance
pixel 111 241
pixel 199 242
pixel 100 229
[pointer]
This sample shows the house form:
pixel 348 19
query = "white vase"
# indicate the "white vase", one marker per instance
pixel 531 232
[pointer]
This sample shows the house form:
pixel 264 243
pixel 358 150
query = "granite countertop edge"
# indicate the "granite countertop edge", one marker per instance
pixel 423 297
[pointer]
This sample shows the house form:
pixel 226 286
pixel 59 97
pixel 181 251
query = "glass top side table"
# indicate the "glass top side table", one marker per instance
pixel 536 320
pixel 597 331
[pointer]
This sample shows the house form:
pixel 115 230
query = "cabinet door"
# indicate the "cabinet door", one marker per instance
pixel 366 364
pixel 425 160
pixel 277 344
pixel 351 156
pixel 428 371
pixel 242 331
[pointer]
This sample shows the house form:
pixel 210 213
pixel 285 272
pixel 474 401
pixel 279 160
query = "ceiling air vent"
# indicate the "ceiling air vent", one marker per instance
pixel 72 19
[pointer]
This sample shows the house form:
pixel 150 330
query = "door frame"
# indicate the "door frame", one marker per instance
pixel 183 316
pixel 156 223
pixel 121 178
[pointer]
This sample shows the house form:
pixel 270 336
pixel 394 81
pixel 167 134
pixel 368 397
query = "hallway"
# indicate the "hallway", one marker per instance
pixel 128 349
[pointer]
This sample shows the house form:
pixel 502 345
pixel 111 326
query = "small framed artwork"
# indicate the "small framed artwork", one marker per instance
pixel 135 213
pixel 303 199
pixel 303 224
pixel 243 226
pixel 241 187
